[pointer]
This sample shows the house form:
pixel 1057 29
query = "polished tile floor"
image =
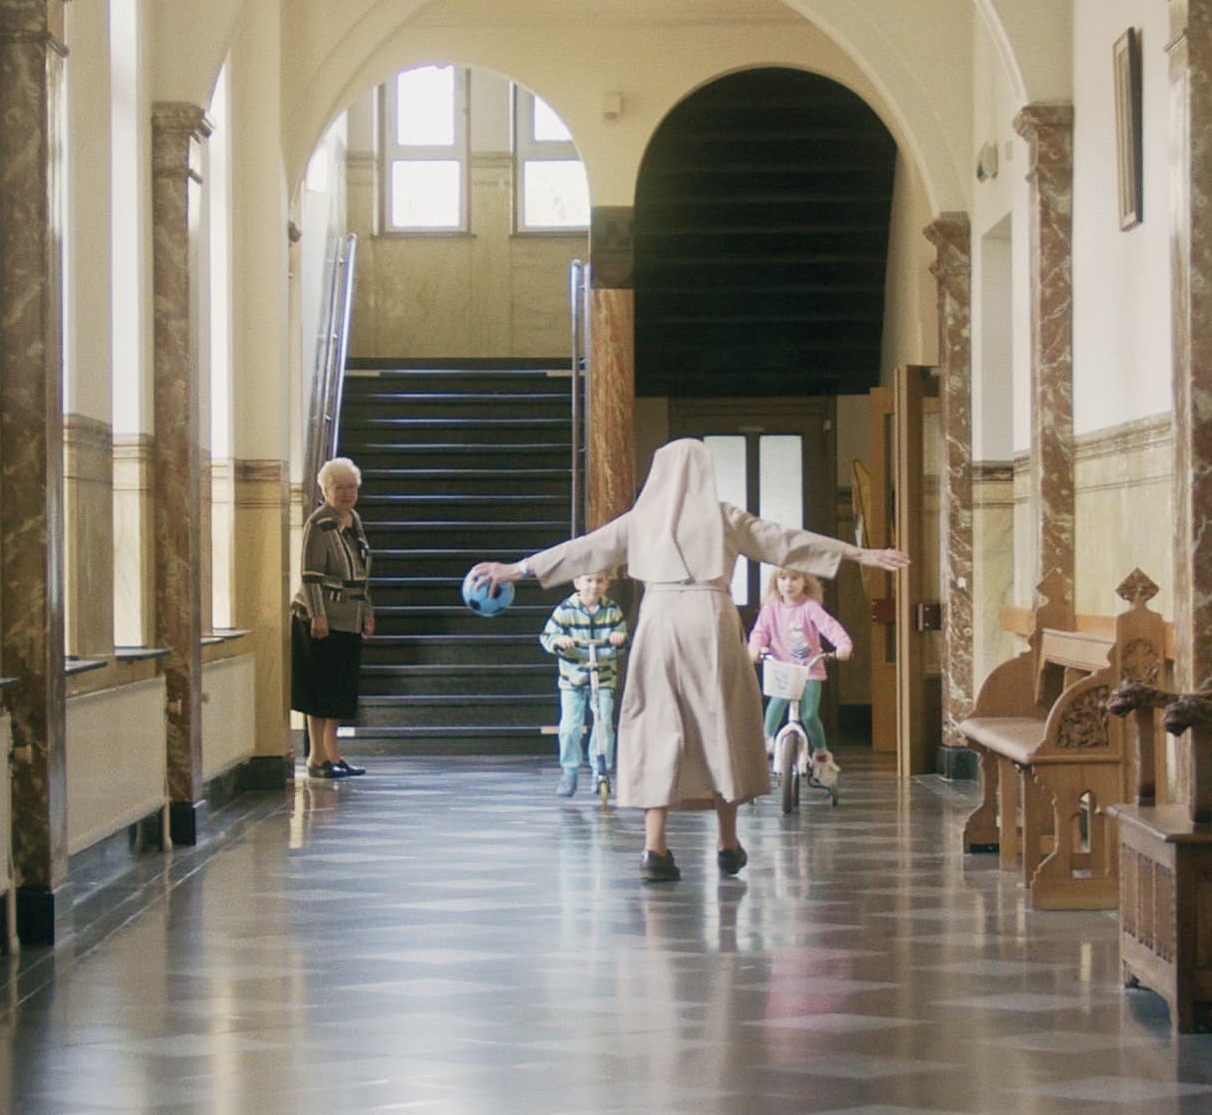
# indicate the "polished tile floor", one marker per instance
pixel 448 937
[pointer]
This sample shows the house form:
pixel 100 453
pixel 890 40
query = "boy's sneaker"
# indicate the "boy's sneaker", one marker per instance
pixel 567 786
pixel 658 867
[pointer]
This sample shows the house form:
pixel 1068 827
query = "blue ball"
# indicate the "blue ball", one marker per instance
pixel 477 598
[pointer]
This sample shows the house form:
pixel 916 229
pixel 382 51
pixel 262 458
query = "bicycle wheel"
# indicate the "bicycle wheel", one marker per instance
pixel 789 744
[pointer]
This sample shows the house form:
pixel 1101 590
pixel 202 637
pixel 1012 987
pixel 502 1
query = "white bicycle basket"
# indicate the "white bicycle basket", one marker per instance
pixel 782 679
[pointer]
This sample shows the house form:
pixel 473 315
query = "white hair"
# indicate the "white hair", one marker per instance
pixel 338 465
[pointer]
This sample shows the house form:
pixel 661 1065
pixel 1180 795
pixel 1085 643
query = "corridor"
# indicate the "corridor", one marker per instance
pixel 446 936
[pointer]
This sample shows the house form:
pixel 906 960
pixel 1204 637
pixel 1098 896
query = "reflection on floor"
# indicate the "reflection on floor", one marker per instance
pixel 447 936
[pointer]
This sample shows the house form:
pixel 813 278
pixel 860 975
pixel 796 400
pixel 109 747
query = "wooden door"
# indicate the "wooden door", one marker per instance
pixel 874 489
pixel 918 612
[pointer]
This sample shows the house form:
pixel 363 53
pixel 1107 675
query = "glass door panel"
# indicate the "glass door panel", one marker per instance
pixel 781 481
pixel 730 456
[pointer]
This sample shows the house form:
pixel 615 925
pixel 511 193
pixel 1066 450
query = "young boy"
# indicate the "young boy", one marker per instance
pixel 588 617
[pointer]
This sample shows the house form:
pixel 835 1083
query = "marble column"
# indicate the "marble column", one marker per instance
pixel 31 455
pixel 610 450
pixel 952 269
pixel 1048 130
pixel 1191 262
pixel 177 130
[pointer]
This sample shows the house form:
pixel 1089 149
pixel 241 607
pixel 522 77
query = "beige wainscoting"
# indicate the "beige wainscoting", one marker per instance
pixel 229 709
pixel 116 760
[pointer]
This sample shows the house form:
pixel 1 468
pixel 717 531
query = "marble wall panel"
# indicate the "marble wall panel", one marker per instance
pixel 262 589
pixel 1125 512
pixel 89 536
pixel 490 307
pixel 134 559
pixel 541 310
pixel 222 527
pixel 993 559
pixel 489 294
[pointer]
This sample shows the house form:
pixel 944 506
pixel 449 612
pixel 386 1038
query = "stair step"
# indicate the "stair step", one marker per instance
pixel 460 465
pixel 452 649
pixel 468 482
pixel 457 710
pixel 461 741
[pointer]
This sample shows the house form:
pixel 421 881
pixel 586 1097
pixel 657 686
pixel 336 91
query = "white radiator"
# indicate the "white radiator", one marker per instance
pixel 229 732
pixel 116 760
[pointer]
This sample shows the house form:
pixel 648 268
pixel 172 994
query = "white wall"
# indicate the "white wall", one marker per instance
pixel 1121 327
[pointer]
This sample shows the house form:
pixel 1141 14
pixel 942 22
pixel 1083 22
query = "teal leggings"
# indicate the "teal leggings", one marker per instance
pixel 810 704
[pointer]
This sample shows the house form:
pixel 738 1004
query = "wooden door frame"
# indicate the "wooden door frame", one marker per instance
pixel 879 528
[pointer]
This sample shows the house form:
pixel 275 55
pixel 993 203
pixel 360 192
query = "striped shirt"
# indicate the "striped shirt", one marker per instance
pixel 572 618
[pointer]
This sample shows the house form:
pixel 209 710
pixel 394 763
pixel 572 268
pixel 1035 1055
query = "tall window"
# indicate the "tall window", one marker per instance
pixel 425 148
pixel 552 192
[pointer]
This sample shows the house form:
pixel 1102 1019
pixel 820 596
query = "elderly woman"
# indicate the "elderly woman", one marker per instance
pixel 690 729
pixel 330 615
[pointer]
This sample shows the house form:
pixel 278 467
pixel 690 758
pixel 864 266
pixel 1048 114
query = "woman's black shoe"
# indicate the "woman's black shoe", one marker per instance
pixel 342 765
pixel 324 770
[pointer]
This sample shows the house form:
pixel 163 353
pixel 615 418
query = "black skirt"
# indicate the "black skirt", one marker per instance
pixel 324 672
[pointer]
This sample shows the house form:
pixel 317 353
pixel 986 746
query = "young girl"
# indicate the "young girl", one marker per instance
pixel 789 628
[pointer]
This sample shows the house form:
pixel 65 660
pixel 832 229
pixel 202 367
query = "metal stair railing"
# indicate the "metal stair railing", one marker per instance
pixel 328 382
pixel 578 282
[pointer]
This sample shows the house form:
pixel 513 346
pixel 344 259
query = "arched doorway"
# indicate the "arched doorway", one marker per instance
pixel 762 222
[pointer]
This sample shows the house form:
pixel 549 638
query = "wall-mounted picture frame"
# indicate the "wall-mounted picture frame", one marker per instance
pixel 1126 61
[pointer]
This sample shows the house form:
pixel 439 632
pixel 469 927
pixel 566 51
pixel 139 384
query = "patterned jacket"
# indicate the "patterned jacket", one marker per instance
pixel 336 568
pixel 571 617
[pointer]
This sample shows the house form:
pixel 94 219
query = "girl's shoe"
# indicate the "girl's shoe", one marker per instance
pixel 567 786
pixel 342 765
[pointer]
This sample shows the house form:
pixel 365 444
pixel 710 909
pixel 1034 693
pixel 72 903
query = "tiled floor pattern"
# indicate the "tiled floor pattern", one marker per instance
pixel 446 937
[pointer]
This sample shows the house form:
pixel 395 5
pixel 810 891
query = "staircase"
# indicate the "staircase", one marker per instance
pixel 459 463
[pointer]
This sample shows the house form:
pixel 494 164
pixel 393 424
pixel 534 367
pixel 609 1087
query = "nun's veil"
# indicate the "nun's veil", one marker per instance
pixel 677 527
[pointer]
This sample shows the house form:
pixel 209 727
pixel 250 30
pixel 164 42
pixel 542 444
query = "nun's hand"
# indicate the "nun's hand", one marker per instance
pixel 889 559
pixel 496 572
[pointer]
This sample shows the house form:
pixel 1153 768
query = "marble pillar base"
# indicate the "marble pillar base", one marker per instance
pixel 267 772
pixel 958 764
pixel 44 915
pixel 186 819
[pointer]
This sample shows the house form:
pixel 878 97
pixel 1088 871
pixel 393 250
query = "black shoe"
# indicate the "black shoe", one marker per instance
pixel 731 860
pixel 324 770
pixel 342 765
pixel 658 867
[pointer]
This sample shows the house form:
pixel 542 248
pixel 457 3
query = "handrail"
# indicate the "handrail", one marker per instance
pixel 328 383
pixel 578 282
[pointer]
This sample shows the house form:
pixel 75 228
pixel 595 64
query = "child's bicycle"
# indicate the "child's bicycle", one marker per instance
pixel 794 758
pixel 596 752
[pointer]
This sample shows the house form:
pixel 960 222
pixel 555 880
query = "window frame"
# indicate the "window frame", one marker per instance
pixel 526 149
pixel 393 153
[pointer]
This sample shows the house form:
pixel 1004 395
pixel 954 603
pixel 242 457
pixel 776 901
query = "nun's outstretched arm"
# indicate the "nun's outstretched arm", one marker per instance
pixel 600 550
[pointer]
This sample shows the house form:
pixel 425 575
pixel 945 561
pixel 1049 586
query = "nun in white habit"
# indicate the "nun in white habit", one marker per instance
pixel 690 724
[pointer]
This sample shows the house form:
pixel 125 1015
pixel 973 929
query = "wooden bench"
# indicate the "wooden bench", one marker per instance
pixel 1165 861
pixel 1052 757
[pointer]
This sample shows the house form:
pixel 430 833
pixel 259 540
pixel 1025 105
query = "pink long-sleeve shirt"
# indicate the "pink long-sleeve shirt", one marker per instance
pixel 792 633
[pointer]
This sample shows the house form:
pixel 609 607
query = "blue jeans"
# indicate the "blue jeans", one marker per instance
pixel 810 704
pixel 573 706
